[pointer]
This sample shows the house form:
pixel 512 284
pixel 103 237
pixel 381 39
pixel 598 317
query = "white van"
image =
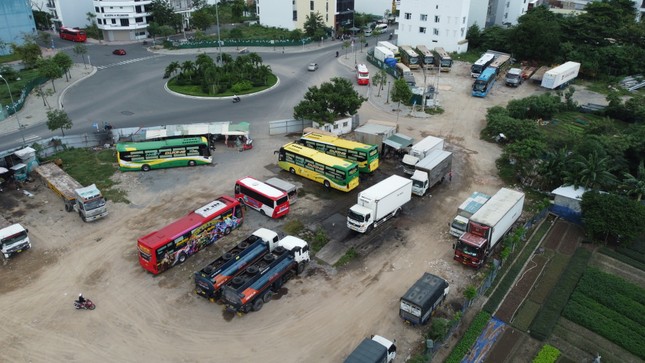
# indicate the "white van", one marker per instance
pixel 381 27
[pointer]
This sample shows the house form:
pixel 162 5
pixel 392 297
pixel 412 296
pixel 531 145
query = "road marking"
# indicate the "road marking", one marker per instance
pixel 130 61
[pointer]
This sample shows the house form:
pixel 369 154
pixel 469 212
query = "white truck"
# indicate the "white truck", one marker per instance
pixel 382 53
pixel 375 349
pixel 419 151
pixel 514 77
pixel 431 170
pixel 13 238
pixel 469 207
pixel 87 201
pixel 488 226
pixel 379 203
pixel 561 75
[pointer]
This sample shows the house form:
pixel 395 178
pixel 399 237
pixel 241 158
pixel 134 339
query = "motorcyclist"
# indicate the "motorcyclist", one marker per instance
pixel 81 300
pixel 236 98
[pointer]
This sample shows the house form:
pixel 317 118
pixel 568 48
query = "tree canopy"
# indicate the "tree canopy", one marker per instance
pixel 329 102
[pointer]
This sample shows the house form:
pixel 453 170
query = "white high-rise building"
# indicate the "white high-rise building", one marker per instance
pixel 292 14
pixel 122 20
pixel 434 23
pixel 506 12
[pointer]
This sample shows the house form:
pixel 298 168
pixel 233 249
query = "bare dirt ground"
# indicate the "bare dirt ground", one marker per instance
pixel 319 317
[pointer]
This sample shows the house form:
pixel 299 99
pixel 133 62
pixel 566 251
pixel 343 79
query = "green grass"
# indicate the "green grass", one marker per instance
pixel 92 167
pixel 294 227
pixel 549 278
pixel 622 257
pixel 350 255
pixel 470 57
pixel 195 90
pixel 16 86
pixel 525 315
pixel 604 86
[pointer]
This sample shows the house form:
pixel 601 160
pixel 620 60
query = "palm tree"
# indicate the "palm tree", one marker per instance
pixel 552 170
pixel 203 62
pixel 255 59
pixel 594 171
pixel 172 68
pixel 187 69
pixel 635 185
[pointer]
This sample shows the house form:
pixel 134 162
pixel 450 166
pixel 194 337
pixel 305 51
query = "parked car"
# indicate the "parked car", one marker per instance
pixel 312 66
pixel 119 52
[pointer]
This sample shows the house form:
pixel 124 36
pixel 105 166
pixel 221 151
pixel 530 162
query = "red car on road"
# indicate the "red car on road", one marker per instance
pixel 119 52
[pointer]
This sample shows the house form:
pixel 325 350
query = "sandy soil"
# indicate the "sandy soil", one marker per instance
pixel 319 317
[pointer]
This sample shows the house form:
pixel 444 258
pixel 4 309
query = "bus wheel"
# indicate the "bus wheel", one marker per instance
pixel 326 183
pixel 262 212
pixel 227 231
pixel 145 167
pixel 257 305
pixel 292 170
pixel 182 257
pixel 192 163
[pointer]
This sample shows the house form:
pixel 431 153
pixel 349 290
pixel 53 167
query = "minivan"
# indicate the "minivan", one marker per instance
pixel 381 27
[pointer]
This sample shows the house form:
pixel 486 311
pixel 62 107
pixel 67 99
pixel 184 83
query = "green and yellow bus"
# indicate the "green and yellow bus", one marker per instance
pixel 146 155
pixel 366 156
pixel 328 170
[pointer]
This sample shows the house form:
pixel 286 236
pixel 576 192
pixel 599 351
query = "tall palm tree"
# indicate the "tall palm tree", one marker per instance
pixel 172 68
pixel 188 69
pixel 635 185
pixel 202 62
pixel 255 59
pixel 595 171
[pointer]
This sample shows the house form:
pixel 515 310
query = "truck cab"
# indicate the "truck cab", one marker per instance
pixel 373 350
pixel 514 77
pixel 458 226
pixel 360 218
pixel 90 203
pixel 14 239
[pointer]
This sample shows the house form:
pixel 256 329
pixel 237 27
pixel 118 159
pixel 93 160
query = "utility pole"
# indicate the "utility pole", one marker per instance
pixel 219 42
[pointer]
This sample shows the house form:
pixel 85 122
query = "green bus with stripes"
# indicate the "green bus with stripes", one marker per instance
pixel 169 153
pixel 328 170
pixel 366 156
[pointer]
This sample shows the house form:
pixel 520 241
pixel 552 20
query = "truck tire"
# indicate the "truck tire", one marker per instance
pixel 301 268
pixel 396 212
pixel 145 167
pixel 68 207
pixel 237 280
pixel 243 245
pixel 268 258
pixel 369 228
pixel 80 214
pixel 208 270
pixel 267 297
pixel 252 270
pixel 258 304
pixel 279 250
pixel 227 256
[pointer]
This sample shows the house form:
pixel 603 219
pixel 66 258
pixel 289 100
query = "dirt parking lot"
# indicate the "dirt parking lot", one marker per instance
pixel 319 317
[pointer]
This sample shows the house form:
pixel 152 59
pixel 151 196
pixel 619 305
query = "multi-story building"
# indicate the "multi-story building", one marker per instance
pixel 122 20
pixel 292 14
pixel 434 23
pixel 16 20
pixel 506 12
pixel 68 13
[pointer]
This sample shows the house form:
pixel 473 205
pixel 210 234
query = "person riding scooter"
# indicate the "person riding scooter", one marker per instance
pixel 236 98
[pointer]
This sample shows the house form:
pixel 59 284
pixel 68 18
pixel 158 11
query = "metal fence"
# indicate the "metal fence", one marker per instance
pixel 26 90
pixel 49 147
pixel 242 43
pixel 283 127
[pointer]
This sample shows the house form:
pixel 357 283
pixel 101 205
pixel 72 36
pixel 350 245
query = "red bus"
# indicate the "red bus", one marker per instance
pixel 73 34
pixel 171 245
pixel 362 74
pixel 269 201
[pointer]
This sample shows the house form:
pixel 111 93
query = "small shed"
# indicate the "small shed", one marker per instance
pixel 375 133
pixel 566 202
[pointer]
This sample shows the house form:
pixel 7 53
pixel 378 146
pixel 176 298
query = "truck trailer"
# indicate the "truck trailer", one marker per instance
pixel 561 75
pixel 430 171
pixel 378 203
pixel 14 238
pixel 423 298
pixel 255 286
pixel 375 349
pixel 419 151
pixel 87 201
pixel 466 209
pixel 210 279
pixel 488 226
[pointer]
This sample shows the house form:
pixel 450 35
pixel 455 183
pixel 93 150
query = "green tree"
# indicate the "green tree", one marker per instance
pixel 592 171
pixel 188 69
pixel 80 49
pixel 171 69
pixel 329 102
pixel 29 53
pixel 154 29
pixel 64 62
pixel 401 92
pixel 40 92
pixel 635 184
pixel 608 216
pixel 58 119
pixel 42 19
pixel 236 33
pixel 92 29
pixel 202 19
pixel 496 37
pixel 378 80
pixel 474 36
pixel 237 10
pixel 49 69
pixel 163 13
pixel 313 23
pixel 296 35
pixel 540 45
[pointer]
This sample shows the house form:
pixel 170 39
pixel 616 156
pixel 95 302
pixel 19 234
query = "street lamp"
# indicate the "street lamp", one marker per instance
pixel 13 105
pixel 219 42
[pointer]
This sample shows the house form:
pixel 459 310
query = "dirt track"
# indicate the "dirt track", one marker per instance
pixel 317 318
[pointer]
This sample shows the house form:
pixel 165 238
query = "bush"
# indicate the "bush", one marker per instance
pixel 438 329
pixel 294 227
pixel 470 337
pixel 548 354
pixel 544 322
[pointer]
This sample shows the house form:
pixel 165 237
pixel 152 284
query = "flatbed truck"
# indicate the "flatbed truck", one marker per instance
pixel 14 238
pixel 87 201
pixel 210 279
pixel 256 285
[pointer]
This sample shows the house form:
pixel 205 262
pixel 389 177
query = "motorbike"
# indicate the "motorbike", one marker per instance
pixel 87 305
pixel 336 54
pixel 236 99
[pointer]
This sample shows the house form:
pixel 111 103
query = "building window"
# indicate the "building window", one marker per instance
pixel 138 20
pixel 408 16
pixel 345 123
pixel 424 17
pixel 99 21
pixel 435 31
pixel 437 19
pixel 114 21
pixel 335 126
pixel 463 20
pixel 311 5
pixel 462 32
pixel 422 30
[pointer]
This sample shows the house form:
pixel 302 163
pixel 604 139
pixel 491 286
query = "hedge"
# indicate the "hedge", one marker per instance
pixel 622 257
pixel 469 338
pixel 548 354
pixel 606 327
pixel 544 322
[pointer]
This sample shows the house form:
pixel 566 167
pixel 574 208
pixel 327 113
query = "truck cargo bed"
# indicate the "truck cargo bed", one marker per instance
pixel 58 180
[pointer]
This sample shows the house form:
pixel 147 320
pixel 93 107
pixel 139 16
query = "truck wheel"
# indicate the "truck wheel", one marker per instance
pixel 145 167
pixel 267 297
pixel 192 163
pixel 279 250
pixel 396 212
pixel 182 258
pixel 252 270
pixel 301 267
pixel 82 216
pixel 292 170
pixel 268 258
pixel 258 304
pixel 227 256
pixel 68 208
pixel 237 280
pixel 369 228
pixel 243 245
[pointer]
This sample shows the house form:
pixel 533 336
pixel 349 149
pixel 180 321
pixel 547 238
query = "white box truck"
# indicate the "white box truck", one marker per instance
pixel 13 238
pixel 382 53
pixel 431 170
pixel 419 151
pixel 379 203
pixel 466 209
pixel 488 226
pixel 373 350
pixel 561 75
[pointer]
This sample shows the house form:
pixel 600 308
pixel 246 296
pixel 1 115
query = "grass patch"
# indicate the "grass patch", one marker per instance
pixel 470 57
pixel 320 239
pixel 526 314
pixel 26 76
pixel 549 278
pixel 347 257
pixel 622 257
pixel 93 167
pixel 9 58
pixel 294 227
pixel 434 110
pixel 604 86
pixel 196 90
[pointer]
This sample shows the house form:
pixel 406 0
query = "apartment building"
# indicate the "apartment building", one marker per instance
pixel 506 12
pixel 292 14
pixel 68 13
pixel 16 20
pixel 434 23
pixel 122 20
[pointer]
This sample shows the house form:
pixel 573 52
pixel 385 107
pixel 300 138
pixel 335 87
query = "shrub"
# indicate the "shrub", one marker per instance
pixel 438 328
pixel 548 354
pixel 294 227
pixel 470 337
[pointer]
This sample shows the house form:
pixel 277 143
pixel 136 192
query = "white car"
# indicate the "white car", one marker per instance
pixel 312 66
